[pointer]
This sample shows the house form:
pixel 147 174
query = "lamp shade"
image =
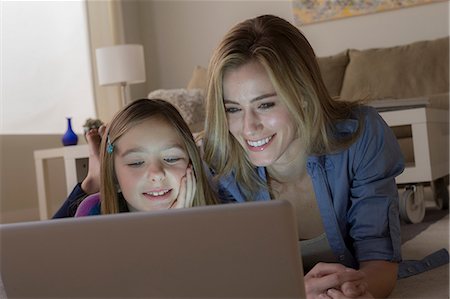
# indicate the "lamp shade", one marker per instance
pixel 121 64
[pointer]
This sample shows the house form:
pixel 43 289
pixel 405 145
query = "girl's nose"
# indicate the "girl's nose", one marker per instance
pixel 155 172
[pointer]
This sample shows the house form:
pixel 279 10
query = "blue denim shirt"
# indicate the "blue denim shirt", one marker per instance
pixel 355 190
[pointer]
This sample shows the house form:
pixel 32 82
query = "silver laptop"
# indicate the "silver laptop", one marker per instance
pixel 247 250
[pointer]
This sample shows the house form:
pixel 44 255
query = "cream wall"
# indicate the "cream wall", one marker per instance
pixel 178 35
pixel 18 189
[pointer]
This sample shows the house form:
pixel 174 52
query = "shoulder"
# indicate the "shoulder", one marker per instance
pixel 361 116
pixel 376 145
pixel 89 206
pixel 369 126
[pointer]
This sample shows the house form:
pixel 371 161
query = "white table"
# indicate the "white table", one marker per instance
pixel 71 155
pixel 430 165
pixel 430 135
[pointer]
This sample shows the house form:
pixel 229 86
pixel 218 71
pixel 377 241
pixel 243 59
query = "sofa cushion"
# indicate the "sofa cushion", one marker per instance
pixel 407 71
pixel 332 69
pixel 189 103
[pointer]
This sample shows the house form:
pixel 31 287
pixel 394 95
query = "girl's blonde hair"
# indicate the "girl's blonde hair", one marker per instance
pixel 127 118
pixel 291 65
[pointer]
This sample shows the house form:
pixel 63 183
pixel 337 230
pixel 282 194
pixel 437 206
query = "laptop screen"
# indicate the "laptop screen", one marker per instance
pixel 247 250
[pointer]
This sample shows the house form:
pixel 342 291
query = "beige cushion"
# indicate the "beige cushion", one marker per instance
pixel 407 71
pixel 333 70
pixel 198 79
pixel 189 102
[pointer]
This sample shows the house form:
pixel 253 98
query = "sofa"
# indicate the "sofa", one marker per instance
pixel 379 74
pixel 391 78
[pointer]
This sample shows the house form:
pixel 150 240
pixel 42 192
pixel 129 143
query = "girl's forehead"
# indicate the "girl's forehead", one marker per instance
pixel 155 133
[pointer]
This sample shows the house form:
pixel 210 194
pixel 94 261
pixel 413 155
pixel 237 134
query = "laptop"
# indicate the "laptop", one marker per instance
pixel 246 250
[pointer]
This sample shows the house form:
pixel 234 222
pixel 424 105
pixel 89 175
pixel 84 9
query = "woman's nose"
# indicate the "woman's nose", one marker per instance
pixel 251 123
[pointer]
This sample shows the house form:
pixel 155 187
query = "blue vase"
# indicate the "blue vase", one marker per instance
pixel 69 138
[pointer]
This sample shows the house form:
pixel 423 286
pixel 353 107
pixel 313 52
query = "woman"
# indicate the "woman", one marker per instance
pixel 273 132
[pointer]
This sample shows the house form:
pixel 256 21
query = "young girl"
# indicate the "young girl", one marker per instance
pixel 149 161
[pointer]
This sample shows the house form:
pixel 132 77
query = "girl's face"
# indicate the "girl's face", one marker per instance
pixel 150 160
pixel 257 118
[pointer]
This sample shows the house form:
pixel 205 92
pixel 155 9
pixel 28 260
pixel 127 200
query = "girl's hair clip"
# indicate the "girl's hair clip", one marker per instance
pixel 109 146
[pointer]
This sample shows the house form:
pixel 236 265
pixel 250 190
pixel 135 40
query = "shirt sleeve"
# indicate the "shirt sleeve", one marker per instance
pixel 89 206
pixel 69 207
pixel 373 216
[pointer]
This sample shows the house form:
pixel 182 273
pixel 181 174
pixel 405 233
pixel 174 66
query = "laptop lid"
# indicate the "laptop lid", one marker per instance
pixel 247 250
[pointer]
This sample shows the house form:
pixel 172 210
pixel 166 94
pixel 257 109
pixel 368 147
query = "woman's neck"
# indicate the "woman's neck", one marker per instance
pixel 292 167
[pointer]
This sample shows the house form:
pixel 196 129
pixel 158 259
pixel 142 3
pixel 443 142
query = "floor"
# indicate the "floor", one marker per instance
pixel 433 284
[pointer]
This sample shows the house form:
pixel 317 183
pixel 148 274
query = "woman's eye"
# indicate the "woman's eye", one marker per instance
pixel 231 109
pixel 136 164
pixel 266 105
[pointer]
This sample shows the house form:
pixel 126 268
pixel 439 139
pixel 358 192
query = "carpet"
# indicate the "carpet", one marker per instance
pixel 432 215
pixel 431 236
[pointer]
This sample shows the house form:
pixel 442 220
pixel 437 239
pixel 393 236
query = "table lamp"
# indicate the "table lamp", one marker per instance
pixel 121 64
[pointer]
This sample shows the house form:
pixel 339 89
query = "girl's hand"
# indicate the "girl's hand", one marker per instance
pixel 187 190
pixel 325 276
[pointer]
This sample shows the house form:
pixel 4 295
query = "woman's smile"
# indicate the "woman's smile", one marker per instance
pixel 259 145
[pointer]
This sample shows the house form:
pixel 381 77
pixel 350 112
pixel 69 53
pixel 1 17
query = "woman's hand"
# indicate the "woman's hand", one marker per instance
pixel 187 190
pixel 326 279
pixel 337 294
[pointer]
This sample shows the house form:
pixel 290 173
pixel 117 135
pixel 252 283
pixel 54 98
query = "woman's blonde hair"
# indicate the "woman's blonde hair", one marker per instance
pixel 291 65
pixel 127 118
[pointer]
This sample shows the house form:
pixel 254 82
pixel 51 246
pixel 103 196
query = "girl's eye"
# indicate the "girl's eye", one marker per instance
pixel 266 105
pixel 172 160
pixel 231 109
pixel 136 164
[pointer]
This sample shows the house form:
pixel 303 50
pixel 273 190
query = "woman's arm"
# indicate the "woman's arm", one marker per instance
pixel 381 277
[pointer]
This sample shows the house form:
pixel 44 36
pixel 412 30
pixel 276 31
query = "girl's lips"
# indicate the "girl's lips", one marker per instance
pixel 158 195
pixel 259 145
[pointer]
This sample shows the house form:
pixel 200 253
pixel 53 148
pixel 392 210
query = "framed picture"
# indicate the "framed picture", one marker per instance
pixel 313 11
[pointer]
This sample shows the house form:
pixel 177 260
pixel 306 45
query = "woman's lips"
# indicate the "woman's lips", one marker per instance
pixel 259 145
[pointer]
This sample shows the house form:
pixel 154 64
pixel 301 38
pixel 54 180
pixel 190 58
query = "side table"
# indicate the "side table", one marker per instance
pixel 430 143
pixel 71 155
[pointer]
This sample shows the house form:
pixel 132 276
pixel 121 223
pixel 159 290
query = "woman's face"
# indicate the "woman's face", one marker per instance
pixel 150 161
pixel 257 118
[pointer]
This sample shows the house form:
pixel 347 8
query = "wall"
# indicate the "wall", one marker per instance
pixel 18 190
pixel 384 29
pixel 178 35
pixel 181 34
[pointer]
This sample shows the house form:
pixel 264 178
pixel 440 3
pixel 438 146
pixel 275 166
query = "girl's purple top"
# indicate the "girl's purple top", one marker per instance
pixel 89 206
